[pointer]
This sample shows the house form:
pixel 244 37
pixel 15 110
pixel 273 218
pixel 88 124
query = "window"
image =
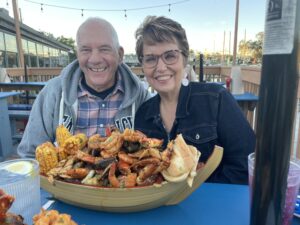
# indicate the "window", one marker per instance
pixel 63 58
pixel 11 43
pixel 12 59
pixel 2 50
pixel 35 53
pixel 46 56
pixel 2 43
pixel 52 57
pixel 2 59
pixel 40 53
pixel 32 54
pixel 55 57
pixel 25 50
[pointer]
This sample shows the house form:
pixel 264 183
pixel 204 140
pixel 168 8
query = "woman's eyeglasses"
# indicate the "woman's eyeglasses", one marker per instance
pixel 169 57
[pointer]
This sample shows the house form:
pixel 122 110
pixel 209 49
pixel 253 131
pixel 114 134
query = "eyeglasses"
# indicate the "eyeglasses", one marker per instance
pixel 169 57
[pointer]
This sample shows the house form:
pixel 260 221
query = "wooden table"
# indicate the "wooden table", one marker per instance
pixel 5 129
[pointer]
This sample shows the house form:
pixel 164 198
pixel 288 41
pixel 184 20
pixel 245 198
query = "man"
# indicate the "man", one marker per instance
pixel 95 91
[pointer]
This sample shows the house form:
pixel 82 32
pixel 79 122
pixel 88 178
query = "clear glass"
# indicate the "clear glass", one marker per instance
pixel 292 187
pixel 23 183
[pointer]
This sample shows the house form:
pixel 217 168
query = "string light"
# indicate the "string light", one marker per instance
pixel 109 10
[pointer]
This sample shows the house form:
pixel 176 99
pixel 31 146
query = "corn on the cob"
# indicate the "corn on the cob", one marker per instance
pixel 71 145
pixel 62 134
pixel 61 153
pixel 46 155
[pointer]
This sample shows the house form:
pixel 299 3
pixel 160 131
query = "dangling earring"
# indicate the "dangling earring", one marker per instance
pixel 185 81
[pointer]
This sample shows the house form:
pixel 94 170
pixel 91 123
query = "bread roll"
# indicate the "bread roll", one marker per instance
pixel 184 162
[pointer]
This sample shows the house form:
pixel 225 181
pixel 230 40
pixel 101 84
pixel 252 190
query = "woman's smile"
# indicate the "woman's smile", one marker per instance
pixel 163 77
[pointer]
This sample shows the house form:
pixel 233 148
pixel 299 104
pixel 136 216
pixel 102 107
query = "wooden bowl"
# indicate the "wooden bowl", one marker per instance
pixel 130 199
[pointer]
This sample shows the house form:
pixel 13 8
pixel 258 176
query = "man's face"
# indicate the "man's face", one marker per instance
pixel 98 56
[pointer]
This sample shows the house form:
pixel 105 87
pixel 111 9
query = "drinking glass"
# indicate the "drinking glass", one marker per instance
pixel 20 179
pixel 293 184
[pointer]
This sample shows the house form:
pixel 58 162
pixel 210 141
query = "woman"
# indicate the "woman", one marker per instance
pixel 205 114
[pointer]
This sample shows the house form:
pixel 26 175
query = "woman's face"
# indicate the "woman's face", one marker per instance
pixel 164 78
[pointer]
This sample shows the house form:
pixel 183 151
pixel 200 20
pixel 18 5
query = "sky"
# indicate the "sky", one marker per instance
pixel 205 21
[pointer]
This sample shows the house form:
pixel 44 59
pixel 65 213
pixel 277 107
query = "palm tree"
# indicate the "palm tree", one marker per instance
pixel 252 50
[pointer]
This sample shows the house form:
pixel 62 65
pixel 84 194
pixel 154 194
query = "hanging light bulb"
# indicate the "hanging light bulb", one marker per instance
pixel 169 7
pixel 125 14
pixel 7 3
pixel 81 12
pixel 42 10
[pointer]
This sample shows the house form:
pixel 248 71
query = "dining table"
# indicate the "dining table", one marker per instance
pixel 5 129
pixel 210 204
pixel 247 101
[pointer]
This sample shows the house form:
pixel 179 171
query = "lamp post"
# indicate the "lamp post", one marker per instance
pixel 223 54
pixel 18 33
pixel 235 31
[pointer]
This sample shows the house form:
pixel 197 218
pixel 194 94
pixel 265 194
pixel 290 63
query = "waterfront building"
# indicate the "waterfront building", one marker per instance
pixel 39 50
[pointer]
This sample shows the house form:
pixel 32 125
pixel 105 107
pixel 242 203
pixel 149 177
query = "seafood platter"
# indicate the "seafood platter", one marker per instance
pixel 122 172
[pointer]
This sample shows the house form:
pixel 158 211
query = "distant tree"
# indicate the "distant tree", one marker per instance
pixel 69 42
pixel 47 34
pixel 251 51
pixel 244 49
pixel 256 47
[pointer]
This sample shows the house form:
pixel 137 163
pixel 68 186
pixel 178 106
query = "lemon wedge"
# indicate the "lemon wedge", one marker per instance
pixel 21 167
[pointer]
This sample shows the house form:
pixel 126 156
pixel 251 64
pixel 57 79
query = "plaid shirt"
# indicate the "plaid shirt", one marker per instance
pixel 95 114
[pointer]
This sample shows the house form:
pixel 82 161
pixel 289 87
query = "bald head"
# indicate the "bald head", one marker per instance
pixel 97 23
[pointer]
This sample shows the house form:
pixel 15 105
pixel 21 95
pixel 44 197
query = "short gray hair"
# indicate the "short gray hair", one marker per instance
pixel 160 29
pixel 101 22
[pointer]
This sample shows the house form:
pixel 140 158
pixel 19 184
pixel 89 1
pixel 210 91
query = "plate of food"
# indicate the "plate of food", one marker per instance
pixel 124 172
